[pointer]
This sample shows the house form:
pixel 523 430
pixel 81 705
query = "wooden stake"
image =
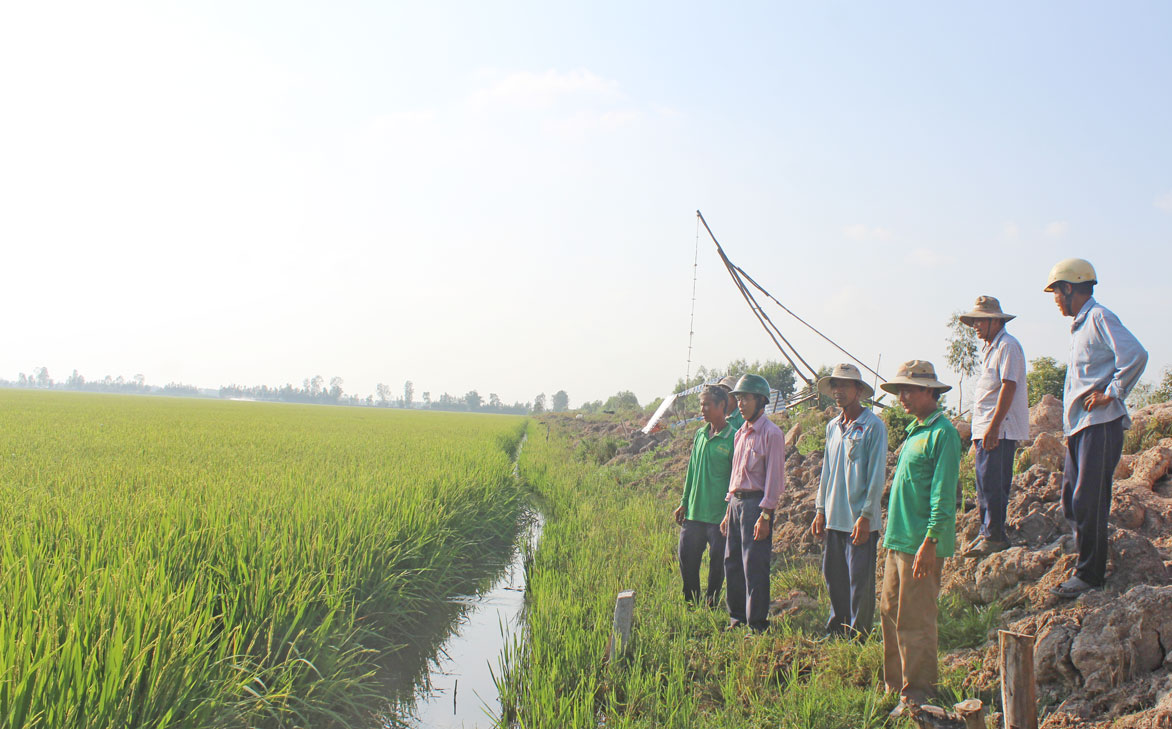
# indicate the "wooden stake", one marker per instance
pixel 624 616
pixel 1018 692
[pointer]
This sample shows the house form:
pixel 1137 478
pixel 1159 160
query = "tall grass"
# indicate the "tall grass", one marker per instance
pixel 605 533
pixel 178 563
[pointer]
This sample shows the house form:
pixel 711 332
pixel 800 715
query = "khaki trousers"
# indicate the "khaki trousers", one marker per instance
pixel 907 613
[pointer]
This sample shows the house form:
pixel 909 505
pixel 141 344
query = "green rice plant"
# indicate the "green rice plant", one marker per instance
pixel 185 563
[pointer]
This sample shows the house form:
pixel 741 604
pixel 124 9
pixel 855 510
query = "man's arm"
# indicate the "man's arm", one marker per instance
pixel 876 471
pixel 774 468
pixel 1130 357
pixel 942 502
pixel 1004 401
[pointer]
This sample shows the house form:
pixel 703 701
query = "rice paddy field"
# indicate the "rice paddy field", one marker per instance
pixel 188 563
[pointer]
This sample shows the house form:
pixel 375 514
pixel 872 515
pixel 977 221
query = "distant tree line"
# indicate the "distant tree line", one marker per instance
pixel 41 380
pixel 313 390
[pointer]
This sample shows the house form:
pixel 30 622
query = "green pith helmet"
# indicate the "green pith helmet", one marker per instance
pixel 752 384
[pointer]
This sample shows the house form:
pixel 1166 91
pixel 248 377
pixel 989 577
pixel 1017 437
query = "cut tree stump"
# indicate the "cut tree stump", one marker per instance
pixel 968 714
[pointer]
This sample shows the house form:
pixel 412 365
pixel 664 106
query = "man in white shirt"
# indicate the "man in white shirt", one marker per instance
pixel 1001 420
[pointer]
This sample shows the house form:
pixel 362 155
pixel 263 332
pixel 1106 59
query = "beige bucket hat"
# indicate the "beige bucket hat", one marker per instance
pixel 729 383
pixel 916 372
pixel 986 307
pixel 845 372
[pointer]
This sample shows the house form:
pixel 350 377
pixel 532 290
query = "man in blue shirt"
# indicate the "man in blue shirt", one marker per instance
pixel 1106 361
pixel 849 493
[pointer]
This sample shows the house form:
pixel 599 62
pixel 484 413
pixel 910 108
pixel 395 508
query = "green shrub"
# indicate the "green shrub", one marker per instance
pixel 897 420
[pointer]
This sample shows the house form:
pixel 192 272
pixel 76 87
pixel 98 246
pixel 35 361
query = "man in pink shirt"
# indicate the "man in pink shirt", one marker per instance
pixel 758 478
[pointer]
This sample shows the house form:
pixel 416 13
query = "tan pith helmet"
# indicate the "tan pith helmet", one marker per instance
pixel 1071 270
pixel 986 307
pixel 728 383
pixel 916 372
pixel 845 371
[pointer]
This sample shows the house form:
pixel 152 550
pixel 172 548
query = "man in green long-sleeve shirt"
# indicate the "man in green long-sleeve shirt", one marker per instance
pixel 921 532
pixel 702 505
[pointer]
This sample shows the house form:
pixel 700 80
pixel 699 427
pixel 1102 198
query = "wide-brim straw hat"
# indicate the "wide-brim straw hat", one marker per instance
pixel 845 372
pixel 916 372
pixel 986 307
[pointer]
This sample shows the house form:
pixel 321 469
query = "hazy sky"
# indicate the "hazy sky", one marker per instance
pixel 501 196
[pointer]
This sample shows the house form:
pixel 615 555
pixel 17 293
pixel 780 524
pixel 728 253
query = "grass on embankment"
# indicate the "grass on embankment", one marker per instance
pixel 603 534
pixel 184 563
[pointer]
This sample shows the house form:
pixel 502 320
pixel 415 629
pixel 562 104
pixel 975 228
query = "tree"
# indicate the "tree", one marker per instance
pixel 335 388
pixel 315 385
pixel 561 401
pixel 494 402
pixel 384 392
pixel 622 401
pixel 408 393
pixel 539 404
pixel 42 375
pixel 427 399
pixel 962 353
pixel 75 381
pixel 1163 391
pixel 1045 377
pixel 472 400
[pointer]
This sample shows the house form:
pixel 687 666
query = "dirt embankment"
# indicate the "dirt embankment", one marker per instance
pixel 1104 659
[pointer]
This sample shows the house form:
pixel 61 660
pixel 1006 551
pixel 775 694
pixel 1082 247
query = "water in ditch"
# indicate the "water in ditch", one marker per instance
pixel 446 680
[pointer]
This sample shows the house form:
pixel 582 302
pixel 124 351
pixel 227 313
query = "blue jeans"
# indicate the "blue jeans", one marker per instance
pixel 850 579
pixel 695 538
pixel 1091 456
pixel 746 564
pixel 994 476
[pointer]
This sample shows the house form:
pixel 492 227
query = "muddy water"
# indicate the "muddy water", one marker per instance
pixel 452 687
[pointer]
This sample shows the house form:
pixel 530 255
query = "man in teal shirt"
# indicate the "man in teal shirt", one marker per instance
pixel 702 506
pixel 850 490
pixel 921 532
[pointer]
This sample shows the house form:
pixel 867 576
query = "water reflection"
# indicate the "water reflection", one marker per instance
pixel 444 680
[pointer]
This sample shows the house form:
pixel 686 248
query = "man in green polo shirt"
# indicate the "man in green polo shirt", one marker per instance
pixel 702 505
pixel 921 532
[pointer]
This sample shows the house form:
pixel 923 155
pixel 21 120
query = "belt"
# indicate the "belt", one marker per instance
pixel 747 493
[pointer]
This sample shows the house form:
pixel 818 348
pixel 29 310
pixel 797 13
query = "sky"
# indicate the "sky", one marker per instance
pixel 502 196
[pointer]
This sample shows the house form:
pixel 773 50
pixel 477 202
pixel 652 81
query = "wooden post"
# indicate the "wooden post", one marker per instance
pixel 624 616
pixel 1018 692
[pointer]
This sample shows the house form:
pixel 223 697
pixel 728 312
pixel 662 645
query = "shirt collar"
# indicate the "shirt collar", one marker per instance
pixel 841 419
pixel 725 429
pixel 927 421
pixel 990 345
pixel 1082 313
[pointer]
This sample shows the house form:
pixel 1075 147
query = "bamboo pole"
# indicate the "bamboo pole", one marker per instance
pixel 1018 692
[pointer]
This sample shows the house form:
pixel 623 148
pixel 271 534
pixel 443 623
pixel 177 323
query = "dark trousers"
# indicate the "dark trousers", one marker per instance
pixel 994 476
pixel 695 538
pixel 746 564
pixel 1091 456
pixel 850 579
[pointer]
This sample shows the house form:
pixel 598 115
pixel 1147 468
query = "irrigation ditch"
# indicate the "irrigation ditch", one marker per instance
pixel 448 675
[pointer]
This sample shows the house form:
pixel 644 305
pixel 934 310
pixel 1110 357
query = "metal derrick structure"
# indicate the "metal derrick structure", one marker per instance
pixel 745 285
